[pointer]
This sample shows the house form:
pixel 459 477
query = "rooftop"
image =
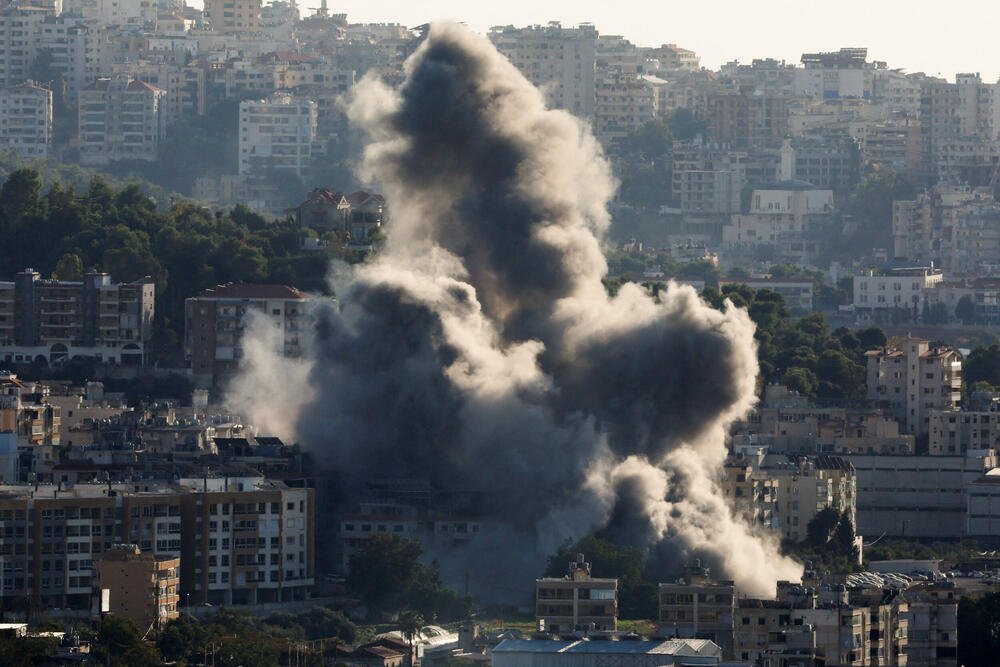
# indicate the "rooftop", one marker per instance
pixel 253 291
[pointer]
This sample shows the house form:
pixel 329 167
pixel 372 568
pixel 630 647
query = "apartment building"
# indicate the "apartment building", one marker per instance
pixel 624 103
pixel 957 432
pixel 52 321
pixel 955 227
pixel 672 57
pixel 239 540
pixel 560 61
pixel 233 16
pixel 276 133
pixel 26 120
pixel 931 626
pixel 917 496
pixel 30 425
pixel 747 120
pixel 913 381
pixel 80 51
pixel 120 118
pixel 843 73
pixel 750 495
pixel 214 322
pixel 698 607
pixel 879 292
pixel 19 28
pixel 828 161
pixel 141 587
pixel 577 601
pixel 789 217
pixel 892 144
pixel 806 486
pixel 948 111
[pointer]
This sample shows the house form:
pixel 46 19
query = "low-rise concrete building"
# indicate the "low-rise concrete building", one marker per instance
pixel 577 601
pixel 141 586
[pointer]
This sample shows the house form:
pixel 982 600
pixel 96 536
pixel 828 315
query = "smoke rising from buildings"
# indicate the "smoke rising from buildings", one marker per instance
pixel 480 350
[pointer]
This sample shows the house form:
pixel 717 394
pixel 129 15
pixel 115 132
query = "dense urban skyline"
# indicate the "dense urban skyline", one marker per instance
pixel 943 39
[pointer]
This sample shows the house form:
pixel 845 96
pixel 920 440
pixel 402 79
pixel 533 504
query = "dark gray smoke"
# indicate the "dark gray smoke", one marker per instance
pixel 481 351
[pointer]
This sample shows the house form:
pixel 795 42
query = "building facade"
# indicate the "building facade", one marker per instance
pixel 276 133
pixel 576 601
pixel 141 586
pixel 26 120
pixel 913 381
pixel 52 321
pixel 214 322
pixel 120 118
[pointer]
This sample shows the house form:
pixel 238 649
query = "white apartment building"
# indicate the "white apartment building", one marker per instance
pixel 120 119
pixel 798 292
pixel 18 42
pixel 842 73
pixel 899 288
pixel 915 380
pixel 26 120
pixel 560 61
pixel 79 50
pixel 113 12
pixel 788 217
pixel 276 133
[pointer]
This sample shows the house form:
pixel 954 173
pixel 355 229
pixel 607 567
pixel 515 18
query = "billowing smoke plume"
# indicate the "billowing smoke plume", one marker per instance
pixel 481 351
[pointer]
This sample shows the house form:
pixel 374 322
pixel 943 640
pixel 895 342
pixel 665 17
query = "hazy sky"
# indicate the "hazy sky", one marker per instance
pixel 919 35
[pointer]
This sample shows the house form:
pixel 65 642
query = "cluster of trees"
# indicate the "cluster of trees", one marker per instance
pixel 386 575
pixel 184 249
pixel 981 369
pixel 979 629
pixel 643 165
pixel 803 354
pixel 829 542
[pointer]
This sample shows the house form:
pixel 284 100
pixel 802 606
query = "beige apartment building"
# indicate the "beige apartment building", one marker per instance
pixel 141 587
pixel 239 540
pixel 914 380
pixel 233 15
pixel 120 118
pixel 699 608
pixel 577 601
pixel 560 61
pixel 808 486
pixel 26 120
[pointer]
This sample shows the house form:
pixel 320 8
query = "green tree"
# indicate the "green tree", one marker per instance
pixel 20 196
pixel 820 528
pixel 982 365
pixel 965 310
pixel 843 537
pixel 801 380
pixel 410 624
pixel 69 267
pixel 119 643
pixel 871 205
pixel 650 141
pixel 685 125
pixel 979 629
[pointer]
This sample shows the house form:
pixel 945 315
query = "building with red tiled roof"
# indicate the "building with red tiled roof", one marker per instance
pixel 357 215
pixel 913 381
pixel 214 322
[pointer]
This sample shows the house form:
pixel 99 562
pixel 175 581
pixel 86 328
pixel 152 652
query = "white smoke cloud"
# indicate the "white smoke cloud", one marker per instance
pixel 480 350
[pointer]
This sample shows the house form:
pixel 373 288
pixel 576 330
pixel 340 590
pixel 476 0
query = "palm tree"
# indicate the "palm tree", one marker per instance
pixel 410 624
